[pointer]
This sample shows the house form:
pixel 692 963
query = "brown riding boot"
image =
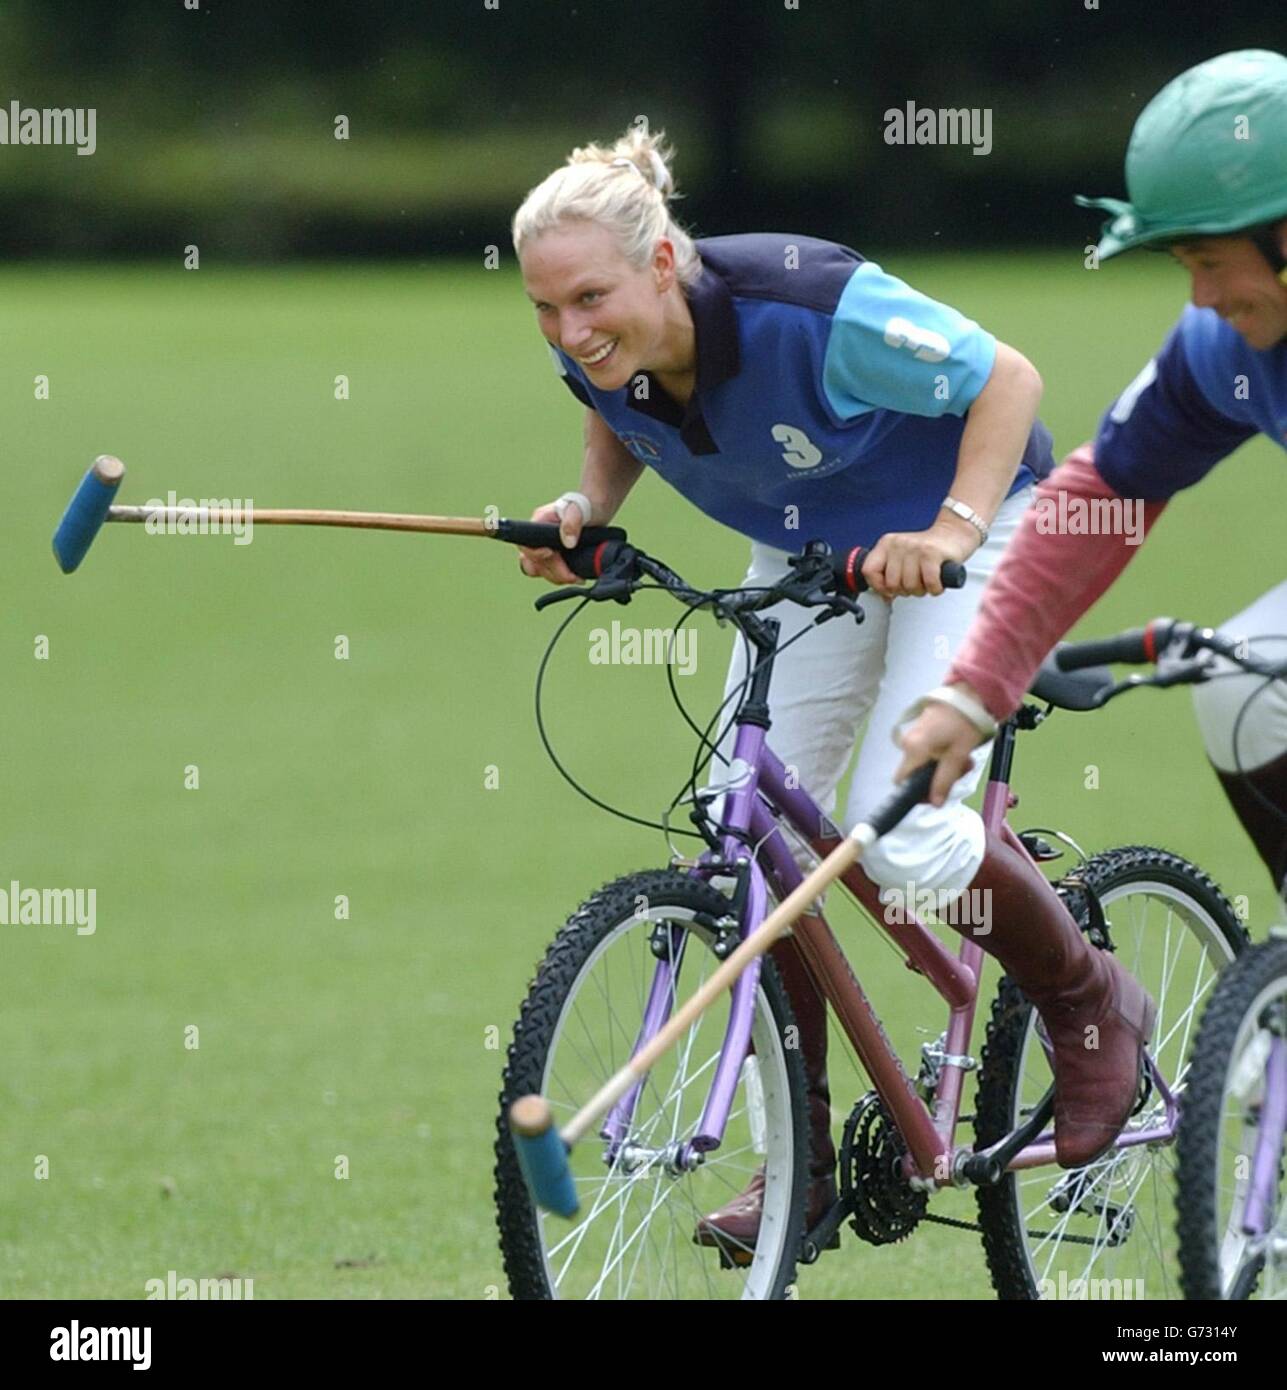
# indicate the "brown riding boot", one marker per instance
pixel 1098 1018
pixel 736 1225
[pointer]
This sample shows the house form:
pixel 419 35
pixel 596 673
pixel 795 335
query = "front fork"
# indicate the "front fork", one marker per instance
pixel 1273 1127
pixel 669 941
pixel 729 854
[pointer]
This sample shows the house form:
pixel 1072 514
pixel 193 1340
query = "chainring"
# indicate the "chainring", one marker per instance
pixel 882 1207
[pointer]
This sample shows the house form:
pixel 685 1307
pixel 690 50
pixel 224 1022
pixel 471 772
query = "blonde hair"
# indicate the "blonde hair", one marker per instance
pixel 625 188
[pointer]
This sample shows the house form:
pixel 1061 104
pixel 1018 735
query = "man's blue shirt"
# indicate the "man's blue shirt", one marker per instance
pixel 829 396
pixel 1206 392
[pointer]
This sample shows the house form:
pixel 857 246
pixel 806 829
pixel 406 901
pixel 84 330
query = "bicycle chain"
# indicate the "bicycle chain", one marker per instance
pixel 1032 1235
pixel 882 1210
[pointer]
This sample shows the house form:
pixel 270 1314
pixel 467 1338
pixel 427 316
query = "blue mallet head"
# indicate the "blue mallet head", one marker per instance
pixel 542 1155
pixel 87 511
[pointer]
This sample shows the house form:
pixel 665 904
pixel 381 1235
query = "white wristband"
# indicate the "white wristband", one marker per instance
pixel 961 702
pixel 581 500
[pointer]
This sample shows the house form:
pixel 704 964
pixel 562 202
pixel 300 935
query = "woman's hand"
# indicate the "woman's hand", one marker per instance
pixel 908 562
pixel 548 564
pixel 939 733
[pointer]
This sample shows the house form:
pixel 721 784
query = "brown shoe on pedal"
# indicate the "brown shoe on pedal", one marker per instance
pixel 1098 1017
pixel 735 1228
pixel 1096 1086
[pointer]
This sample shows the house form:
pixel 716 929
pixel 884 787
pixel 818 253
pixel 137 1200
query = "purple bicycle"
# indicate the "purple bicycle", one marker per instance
pixel 1232 1145
pixel 731 1097
pixel 1233 1135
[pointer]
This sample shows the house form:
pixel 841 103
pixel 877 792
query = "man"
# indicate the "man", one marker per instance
pixel 1206 170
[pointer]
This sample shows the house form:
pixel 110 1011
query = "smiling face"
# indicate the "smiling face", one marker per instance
pixel 591 302
pixel 1230 275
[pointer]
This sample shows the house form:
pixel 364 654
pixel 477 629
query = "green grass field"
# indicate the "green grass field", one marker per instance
pixel 380 1038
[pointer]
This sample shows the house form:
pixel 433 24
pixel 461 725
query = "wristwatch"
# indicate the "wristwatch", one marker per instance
pixel 966 513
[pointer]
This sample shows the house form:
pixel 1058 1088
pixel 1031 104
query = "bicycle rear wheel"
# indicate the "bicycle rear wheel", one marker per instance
pixel 633 1237
pixel 1106 1230
pixel 1225 1105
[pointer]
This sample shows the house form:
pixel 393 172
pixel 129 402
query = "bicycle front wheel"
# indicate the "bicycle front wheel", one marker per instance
pixel 1107 1230
pixel 633 1237
pixel 1227 1114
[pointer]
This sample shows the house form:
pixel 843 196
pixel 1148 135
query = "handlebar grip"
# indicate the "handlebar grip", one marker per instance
pixel 596 546
pixel 911 793
pixel 1137 647
pixel 849 580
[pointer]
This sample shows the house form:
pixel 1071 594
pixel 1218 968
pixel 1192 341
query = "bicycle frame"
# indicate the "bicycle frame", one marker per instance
pixel 759 794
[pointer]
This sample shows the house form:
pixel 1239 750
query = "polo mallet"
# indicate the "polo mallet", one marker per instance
pixel 91 506
pixel 543 1151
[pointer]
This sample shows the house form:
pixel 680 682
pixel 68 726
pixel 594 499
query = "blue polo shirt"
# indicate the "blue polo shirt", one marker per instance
pixel 830 397
pixel 1205 393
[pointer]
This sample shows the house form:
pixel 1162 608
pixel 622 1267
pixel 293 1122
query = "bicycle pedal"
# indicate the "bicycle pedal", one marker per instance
pixel 1145 1086
pixel 734 1259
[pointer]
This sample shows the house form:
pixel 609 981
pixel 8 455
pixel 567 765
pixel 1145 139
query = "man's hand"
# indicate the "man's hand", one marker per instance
pixel 908 562
pixel 549 564
pixel 939 733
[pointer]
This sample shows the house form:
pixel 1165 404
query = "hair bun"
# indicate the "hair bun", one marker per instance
pixel 657 174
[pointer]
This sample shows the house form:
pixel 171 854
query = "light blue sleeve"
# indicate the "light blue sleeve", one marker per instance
pixel 891 348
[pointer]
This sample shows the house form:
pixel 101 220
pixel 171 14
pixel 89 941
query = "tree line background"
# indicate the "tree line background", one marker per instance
pixel 216 125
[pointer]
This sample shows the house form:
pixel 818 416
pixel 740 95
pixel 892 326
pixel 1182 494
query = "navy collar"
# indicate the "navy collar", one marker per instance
pixel 718 359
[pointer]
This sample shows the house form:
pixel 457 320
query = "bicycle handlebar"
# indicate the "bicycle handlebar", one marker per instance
pixel 1135 647
pixel 600 548
pixel 1177 649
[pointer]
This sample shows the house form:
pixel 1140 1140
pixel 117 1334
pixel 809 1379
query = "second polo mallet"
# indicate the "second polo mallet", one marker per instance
pixel 543 1150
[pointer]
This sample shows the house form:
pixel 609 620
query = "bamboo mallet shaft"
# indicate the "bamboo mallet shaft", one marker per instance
pixel 770 930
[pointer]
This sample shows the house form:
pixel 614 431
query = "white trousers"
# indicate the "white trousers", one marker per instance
pixel 1262 733
pixel 842 673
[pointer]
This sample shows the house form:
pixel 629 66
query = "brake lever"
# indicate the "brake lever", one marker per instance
pixel 561 596
pixel 601 591
pixel 1183 671
pixel 838 603
pixel 1188 671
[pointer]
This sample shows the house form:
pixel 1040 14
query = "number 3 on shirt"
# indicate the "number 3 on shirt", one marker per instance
pixel 800 451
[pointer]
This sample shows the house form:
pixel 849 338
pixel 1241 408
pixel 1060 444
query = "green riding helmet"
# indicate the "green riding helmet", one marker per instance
pixel 1207 157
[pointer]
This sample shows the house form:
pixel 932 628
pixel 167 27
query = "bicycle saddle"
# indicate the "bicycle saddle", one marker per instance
pixel 1072 690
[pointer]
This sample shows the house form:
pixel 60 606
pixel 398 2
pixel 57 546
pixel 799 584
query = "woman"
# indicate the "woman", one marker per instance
pixel 792 390
pixel 1207 170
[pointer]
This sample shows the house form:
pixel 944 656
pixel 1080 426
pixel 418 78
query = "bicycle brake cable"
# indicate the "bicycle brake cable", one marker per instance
pixel 700 762
pixel 1275 810
pixel 706 750
pixel 689 610
pixel 549 749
